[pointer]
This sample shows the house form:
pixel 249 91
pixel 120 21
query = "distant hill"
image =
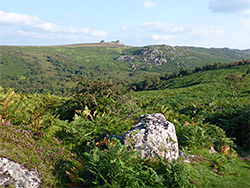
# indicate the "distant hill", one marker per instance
pixel 247 50
pixel 102 43
pixel 53 68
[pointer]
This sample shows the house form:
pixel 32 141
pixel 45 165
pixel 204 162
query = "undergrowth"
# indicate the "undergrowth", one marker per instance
pixel 66 139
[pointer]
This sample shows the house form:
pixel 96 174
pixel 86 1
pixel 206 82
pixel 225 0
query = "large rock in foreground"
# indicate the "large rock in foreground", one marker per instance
pixel 12 173
pixel 152 136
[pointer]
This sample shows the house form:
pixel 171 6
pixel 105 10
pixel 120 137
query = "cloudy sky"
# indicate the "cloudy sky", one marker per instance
pixel 204 23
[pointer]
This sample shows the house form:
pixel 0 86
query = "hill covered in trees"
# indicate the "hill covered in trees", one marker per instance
pixel 52 69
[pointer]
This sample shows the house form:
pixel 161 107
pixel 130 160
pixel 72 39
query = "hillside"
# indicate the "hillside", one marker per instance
pixel 65 138
pixel 53 68
pixel 208 96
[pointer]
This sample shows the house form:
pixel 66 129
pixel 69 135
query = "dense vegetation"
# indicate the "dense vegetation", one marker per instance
pixel 66 138
pixel 159 82
pixel 54 69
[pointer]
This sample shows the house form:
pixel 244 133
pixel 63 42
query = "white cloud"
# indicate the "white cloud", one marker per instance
pixel 100 33
pixel 233 35
pixel 246 22
pixel 37 35
pixel 124 27
pixel 33 26
pixel 161 37
pixel 238 7
pixel 178 34
pixel 84 30
pixel 149 4
pixel 29 21
pixel 163 27
pixel 13 18
pixel 205 30
pixel 175 29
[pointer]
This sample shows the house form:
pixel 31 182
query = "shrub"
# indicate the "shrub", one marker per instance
pixel 235 83
pixel 99 97
pixel 110 164
pixel 33 111
pixel 234 119
pixel 194 135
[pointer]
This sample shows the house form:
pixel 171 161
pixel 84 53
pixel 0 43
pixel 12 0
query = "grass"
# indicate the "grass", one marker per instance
pixel 204 174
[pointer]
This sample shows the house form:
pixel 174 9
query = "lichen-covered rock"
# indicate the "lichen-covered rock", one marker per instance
pixel 14 174
pixel 152 136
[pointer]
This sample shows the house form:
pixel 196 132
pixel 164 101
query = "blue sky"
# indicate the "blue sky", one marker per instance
pixel 203 23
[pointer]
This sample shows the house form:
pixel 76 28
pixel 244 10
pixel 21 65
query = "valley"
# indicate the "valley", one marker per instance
pixel 60 106
pixel 52 69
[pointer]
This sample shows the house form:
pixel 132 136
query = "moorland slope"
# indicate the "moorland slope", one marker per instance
pixel 52 69
pixel 64 138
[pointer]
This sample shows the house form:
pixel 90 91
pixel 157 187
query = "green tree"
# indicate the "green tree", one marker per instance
pixel 184 71
pixel 98 96
pixel 234 81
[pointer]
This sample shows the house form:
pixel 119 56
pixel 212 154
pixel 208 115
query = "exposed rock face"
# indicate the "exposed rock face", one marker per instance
pixel 149 51
pixel 152 136
pixel 14 174
pixel 157 56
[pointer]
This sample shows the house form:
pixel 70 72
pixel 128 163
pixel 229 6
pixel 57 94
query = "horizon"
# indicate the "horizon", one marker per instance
pixel 191 23
pixel 89 43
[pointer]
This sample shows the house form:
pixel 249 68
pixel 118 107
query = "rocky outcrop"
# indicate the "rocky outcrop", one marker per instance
pixel 14 174
pixel 149 55
pixel 112 42
pixel 152 136
pixel 149 51
pixel 158 55
pixel 127 58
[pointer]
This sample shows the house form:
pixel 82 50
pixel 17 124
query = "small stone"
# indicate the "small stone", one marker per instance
pixel 181 154
pixel 211 150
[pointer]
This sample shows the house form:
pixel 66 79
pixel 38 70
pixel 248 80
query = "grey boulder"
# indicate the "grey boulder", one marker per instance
pixel 153 136
pixel 12 173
